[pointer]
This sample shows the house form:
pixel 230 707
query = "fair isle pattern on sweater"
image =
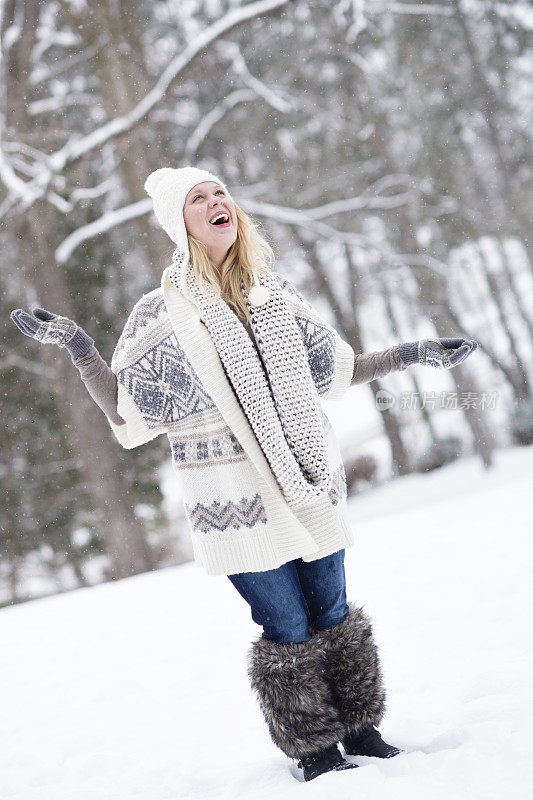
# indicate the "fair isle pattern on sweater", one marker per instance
pixel 220 517
pixel 166 388
pixel 198 451
pixel 164 385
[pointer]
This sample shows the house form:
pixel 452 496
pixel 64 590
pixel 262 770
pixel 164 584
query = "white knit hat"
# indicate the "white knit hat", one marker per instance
pixel 168 188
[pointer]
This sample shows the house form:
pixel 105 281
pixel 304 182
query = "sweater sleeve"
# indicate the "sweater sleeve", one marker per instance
pixel 101 383
pixel 369 366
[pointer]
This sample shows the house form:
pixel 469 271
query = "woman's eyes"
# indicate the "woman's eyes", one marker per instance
pixel 201 195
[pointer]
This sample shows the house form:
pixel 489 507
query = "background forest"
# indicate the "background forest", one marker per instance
pixel 385 150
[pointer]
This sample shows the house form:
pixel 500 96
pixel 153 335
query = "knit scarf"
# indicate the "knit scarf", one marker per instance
pixel 280 401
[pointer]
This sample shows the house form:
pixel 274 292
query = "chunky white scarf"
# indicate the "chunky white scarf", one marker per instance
pixel 284 408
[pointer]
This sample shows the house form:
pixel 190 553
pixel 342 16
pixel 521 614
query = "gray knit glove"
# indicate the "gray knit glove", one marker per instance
pixel 53 329
pixel 439 353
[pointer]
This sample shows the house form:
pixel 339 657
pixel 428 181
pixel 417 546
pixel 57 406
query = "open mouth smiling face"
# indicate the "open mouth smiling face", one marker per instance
pixel 211 217
pixel 208 205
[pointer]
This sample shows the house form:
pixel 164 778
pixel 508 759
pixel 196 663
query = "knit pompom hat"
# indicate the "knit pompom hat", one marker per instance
pixel 168 188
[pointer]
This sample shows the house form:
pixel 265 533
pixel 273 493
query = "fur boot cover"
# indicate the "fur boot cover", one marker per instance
pixel 354 671
pixel 294 695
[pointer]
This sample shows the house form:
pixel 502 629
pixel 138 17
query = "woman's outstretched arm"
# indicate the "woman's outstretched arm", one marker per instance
pixel 368 366
pixel 101 383
pixel 440 353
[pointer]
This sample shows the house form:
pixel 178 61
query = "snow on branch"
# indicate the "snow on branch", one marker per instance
pixel 516 13
pixel 368 199
pixel 98 226
pixel 310 219
pixel 45 72
pixel 17 187
pixel 214 116
pixel 240 66
pixel 409 8
pixel 57 103
pixel 75 149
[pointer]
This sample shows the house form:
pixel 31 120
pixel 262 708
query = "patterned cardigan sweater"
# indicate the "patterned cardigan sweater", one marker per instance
pixel 167 377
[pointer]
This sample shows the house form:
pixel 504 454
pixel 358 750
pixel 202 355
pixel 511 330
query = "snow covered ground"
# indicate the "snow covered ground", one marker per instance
pixel 139 689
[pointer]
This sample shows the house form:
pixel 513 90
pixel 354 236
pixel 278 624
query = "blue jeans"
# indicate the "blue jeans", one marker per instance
pixel 287 600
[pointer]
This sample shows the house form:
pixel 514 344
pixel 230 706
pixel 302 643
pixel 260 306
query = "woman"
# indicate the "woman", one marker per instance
pixel 230 361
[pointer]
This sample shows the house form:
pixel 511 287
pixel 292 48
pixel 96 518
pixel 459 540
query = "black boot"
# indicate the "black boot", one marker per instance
pixel 368 743
pixel 324 761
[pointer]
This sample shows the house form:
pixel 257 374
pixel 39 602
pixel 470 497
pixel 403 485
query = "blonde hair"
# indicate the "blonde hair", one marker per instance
pixel 248 254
